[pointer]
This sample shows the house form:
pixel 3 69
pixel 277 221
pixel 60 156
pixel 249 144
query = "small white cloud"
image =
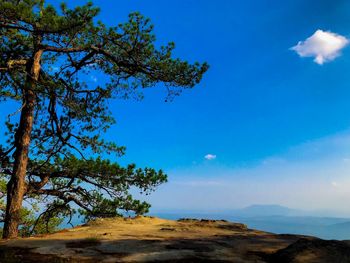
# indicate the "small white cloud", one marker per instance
pixel 210 157
pixel 334 184
pixel 324 46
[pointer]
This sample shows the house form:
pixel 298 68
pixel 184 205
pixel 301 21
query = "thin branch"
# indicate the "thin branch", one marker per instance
pixel 63 50
pixel 14 113
pixel 3 154
pixel 11 26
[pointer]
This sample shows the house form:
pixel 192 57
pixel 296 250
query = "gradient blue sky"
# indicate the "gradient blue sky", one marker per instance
pixel 278 123
pixel 258 98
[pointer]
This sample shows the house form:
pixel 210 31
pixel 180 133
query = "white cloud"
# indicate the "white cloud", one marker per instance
pixel 210 157
pixel 324 46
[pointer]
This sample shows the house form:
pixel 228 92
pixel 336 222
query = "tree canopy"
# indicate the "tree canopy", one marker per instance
pixel 54 149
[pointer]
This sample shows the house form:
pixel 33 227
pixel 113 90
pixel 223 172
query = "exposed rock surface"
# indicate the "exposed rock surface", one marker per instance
pixel 313 251
pixel 146 239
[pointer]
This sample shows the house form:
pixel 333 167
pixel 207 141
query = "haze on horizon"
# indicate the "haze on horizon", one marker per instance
pixel 312 177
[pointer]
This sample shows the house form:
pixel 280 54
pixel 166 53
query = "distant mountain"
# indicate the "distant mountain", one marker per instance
pixel 276 219
pixel 283 220
pixel 322 227
pixel 264 210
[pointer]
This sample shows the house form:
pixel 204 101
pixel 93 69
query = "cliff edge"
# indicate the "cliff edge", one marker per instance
pixel 148 239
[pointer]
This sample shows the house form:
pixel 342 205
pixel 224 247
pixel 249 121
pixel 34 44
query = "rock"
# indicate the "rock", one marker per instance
pixel 313 251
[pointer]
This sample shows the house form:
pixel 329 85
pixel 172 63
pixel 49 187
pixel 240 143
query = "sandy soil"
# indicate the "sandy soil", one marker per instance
pixel 146 239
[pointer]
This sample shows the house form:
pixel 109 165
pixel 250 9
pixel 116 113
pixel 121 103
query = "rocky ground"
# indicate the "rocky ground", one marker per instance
pixel 146 239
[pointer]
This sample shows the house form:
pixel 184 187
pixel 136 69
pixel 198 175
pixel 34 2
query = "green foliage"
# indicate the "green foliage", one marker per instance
pixel 32 225
pixel 72 114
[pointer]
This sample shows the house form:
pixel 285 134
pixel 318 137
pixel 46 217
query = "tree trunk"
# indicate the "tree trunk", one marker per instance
pixel 16 186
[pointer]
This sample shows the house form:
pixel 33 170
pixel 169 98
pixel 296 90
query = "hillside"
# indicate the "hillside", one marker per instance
pixel 147 239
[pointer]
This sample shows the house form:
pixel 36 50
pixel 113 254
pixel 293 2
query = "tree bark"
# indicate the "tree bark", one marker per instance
pixel 16 186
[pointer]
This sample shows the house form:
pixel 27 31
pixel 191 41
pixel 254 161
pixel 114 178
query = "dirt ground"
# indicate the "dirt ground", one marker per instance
pixel 148 239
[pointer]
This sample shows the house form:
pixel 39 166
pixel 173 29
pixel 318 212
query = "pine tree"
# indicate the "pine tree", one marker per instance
pixel 51 154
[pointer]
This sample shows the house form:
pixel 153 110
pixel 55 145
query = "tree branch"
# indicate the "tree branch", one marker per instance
pixel 11 26
pixel 63 49
pixel 62 196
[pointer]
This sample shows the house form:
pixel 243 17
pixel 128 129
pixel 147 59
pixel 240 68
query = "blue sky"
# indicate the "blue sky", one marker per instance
pixel 258 98
pixel 261 109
